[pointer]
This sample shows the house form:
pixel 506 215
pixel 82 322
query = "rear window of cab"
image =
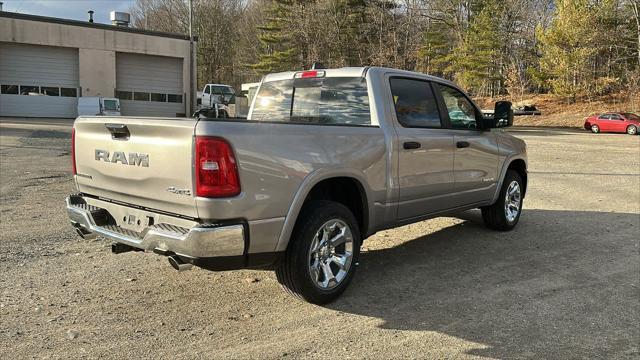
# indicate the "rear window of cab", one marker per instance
pixel 325 100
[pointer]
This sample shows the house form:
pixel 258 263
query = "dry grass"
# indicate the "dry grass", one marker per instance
pixel 557 112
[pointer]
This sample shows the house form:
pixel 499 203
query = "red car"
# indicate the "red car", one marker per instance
pixel 613 122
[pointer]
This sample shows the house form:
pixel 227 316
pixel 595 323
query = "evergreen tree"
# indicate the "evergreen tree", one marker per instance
pixel 567 49
pixel 279 50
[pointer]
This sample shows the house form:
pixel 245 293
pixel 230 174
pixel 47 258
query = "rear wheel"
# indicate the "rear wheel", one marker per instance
pixel 504 214
pixel 320 260
pixel 595 129
pixel 632 130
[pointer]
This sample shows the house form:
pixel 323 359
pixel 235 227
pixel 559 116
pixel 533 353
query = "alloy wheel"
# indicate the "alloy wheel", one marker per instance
pixel 512 201
pixel 330 254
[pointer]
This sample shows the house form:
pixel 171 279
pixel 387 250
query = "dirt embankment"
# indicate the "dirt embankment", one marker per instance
pixel 557 112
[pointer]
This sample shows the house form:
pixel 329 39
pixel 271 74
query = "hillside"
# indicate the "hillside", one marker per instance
pixel 557 112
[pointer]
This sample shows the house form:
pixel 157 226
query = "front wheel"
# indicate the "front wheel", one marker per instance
pixel 595 129
pixel 320 260
pixel 504 214
pixel 632 130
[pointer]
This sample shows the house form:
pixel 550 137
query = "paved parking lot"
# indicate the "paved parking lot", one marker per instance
pixel 563 284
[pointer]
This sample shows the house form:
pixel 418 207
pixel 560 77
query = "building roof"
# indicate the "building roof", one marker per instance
pixel 53 20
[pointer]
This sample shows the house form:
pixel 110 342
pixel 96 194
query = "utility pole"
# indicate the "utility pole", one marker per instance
pixel 192 70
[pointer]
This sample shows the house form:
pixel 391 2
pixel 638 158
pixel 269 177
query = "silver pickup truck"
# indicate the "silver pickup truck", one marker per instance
pixel 325 159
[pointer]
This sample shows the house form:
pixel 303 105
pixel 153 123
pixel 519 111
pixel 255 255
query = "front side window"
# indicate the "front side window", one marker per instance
pixel 462 113
pixel 604 117
pixel 414 102
pixel 207 90
pixel 332 101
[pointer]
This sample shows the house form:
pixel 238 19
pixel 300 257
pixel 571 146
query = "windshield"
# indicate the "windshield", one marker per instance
pixel 333 100
pixel 632 116
pixel 110 105
pixel 222 90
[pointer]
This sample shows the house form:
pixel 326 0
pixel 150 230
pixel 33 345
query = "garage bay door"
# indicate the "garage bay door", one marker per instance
pixel 38 81
pixel 149 85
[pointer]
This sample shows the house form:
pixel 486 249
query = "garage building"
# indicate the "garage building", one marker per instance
pixel 47 63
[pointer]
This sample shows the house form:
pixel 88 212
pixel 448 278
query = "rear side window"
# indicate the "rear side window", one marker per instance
pixel 616 117
pixel 332 101
pixel 415 103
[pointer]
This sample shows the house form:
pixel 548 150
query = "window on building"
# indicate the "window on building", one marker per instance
pixel 50 91
pixel 124 95
pixel 173 98
pixel 68 92
pixel 159 97
pixel 9 89
pixel 29 90
pixel 141 96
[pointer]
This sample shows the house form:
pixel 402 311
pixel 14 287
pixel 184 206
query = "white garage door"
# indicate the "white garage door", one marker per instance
pixel 38 81
pixel 149 85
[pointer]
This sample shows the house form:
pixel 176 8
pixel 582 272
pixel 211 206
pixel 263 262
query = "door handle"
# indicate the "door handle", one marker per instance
pixel 118 131
pixel 462 144
pixel 411 145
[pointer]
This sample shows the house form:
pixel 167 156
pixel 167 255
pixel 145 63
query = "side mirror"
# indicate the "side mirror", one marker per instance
pixel 502 115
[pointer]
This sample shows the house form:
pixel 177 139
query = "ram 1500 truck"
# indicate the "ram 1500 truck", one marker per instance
pixel 325 159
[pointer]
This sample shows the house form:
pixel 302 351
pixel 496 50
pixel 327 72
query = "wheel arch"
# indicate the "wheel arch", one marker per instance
pixel 343 186
pixel 517 164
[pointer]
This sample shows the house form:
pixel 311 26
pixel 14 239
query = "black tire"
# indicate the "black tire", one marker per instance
pixel 632 130
pixel 595 129
pixel 293 272
pixel 495 216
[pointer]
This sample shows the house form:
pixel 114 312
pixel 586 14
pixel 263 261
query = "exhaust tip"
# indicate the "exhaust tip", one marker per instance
pixel 178 264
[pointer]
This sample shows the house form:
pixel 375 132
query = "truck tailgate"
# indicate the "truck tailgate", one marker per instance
pixel 143 161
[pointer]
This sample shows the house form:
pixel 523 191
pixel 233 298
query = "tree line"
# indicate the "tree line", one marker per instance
pixel 571 48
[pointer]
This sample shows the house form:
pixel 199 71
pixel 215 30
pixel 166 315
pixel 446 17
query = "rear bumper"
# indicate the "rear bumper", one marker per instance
pixel 196 244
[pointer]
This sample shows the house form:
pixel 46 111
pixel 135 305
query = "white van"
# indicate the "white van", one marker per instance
pixel 98 105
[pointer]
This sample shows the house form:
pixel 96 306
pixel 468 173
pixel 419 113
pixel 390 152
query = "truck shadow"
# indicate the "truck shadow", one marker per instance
pixel 563 284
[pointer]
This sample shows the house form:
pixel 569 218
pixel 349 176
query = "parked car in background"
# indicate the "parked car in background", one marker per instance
pixel 216 93
pixel 98 106
pixel 616 122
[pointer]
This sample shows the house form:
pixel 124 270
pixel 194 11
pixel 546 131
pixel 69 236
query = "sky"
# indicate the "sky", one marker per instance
pixel 68 9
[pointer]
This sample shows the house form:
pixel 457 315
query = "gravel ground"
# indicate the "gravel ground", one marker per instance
pixel 563 284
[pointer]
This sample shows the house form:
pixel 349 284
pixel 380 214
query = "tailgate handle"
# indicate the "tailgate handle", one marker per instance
pixel 118 131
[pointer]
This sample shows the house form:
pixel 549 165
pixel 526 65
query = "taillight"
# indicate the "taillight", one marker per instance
pixel 73 150
pixel 216 169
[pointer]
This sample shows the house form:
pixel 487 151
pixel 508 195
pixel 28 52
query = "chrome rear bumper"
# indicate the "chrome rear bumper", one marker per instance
pixel 199 241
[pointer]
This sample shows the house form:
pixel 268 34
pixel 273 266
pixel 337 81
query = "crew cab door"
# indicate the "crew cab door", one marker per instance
pixel 475 167
pixel 425 149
